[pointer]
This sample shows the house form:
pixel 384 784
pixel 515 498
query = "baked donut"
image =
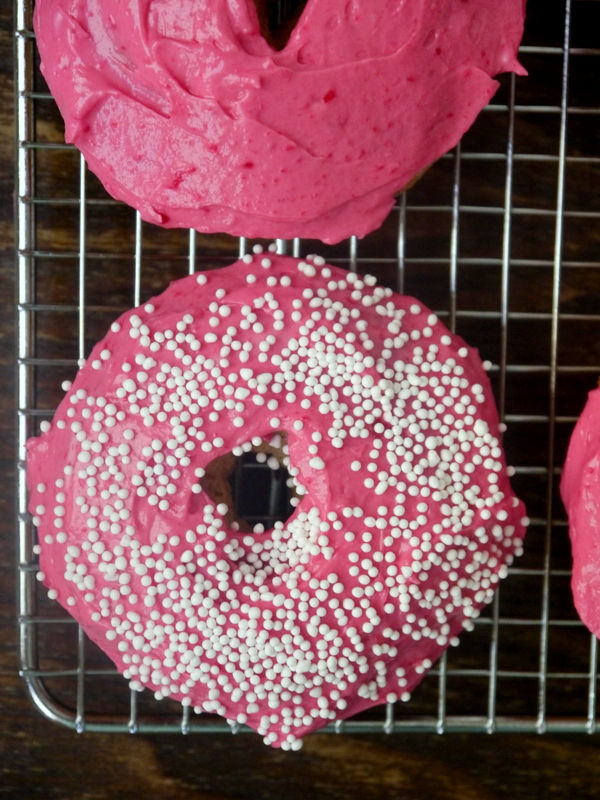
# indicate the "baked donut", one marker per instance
pixel 184 111
pixel 580 490
pixel 406 520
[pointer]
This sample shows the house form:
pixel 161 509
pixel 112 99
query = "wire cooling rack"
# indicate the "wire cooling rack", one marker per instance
pixel 500 238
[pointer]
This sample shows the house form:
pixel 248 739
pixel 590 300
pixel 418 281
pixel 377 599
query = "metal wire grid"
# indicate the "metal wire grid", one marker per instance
pixel 267 503
pixel 434 713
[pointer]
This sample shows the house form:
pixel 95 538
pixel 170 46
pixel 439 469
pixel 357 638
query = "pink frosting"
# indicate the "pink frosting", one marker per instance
pixel 580 490
pixel 185 112
pixel 407 519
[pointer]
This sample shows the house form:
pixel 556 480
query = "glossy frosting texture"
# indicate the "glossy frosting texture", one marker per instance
pixel 407 519
pixel 580 490
pixel 185 112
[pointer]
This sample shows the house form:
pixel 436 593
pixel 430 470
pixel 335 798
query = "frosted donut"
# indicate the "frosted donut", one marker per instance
pixel 185 112
pixel 580 490
pixel 406 520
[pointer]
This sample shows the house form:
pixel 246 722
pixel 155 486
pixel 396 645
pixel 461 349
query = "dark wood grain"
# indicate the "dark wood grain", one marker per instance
pixel 39 759
pixel 278 20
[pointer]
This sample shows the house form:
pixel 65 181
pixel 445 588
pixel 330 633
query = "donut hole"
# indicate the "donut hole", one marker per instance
pixel 277 19
pixel 254 483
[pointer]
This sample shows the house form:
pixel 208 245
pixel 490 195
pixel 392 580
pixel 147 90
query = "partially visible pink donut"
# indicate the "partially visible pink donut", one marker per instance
pixel 406 525
pixel 580 490
pixel 185 112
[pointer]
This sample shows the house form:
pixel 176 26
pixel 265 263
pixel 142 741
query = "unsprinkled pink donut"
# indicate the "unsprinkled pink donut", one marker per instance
pixel 185 112
pixel 580 490
pixel 407 523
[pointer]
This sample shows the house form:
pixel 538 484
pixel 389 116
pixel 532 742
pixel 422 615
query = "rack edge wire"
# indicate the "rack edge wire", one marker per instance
pixel 34 678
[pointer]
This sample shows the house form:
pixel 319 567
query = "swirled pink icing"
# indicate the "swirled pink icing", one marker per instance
pixel 406 524
pixel 580 490
pixel 185 112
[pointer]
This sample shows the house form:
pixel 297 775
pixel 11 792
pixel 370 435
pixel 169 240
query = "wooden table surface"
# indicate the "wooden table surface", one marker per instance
pixel 41 759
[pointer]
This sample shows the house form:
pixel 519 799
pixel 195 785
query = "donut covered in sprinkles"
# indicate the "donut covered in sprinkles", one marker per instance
pixel 405 522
